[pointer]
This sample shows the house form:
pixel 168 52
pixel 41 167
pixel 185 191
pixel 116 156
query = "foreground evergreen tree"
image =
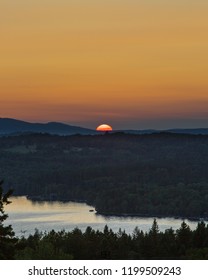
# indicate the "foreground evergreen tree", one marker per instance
pixel 7 239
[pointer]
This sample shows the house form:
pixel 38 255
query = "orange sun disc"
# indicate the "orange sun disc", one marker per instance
pixel 104 127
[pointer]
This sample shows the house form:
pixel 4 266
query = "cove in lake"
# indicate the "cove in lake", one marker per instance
pixel 25 216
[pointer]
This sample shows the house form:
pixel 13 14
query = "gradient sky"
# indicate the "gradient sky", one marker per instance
pixel 130 63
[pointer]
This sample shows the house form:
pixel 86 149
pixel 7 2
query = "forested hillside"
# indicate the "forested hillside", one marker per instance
pixel 158 174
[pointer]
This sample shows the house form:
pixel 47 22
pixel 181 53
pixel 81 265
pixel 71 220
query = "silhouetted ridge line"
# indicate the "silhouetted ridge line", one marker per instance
pixel 12 126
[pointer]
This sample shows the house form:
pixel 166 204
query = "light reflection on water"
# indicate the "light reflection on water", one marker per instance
pixel 25 216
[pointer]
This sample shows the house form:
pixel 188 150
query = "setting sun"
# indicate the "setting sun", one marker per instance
pixel 104 127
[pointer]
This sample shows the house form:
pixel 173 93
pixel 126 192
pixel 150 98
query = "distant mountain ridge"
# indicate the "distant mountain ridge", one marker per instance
pixel 195 131
pixel 13 126
pixel 10 126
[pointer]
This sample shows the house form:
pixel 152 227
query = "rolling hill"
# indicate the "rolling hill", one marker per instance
pixel 10 126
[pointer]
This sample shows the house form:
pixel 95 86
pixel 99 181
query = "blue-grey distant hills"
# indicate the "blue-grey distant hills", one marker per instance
pixel 12 126
pixel 195 131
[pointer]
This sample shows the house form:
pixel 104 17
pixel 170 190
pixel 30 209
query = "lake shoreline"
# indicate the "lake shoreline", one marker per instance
pixel 26 215
pixel 40 199
pixel 126 215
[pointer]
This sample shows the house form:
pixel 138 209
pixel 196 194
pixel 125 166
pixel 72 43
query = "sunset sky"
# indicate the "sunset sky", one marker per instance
pixel 130 63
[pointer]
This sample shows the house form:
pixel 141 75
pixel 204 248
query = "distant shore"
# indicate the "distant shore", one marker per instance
pixel 127 215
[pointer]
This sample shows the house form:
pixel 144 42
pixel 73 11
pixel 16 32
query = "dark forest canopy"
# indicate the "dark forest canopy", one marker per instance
pixel 181 244
pixel 163 174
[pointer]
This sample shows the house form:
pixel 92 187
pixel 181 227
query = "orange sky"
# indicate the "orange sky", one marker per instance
pixel 132 64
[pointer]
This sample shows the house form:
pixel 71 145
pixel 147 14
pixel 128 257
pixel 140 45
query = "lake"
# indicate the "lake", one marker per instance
pixel 25 216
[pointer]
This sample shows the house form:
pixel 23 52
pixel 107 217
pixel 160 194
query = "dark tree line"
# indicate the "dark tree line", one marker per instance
pixel 91 245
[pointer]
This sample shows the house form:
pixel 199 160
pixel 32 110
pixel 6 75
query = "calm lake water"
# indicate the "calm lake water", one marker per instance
pixel 25 216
